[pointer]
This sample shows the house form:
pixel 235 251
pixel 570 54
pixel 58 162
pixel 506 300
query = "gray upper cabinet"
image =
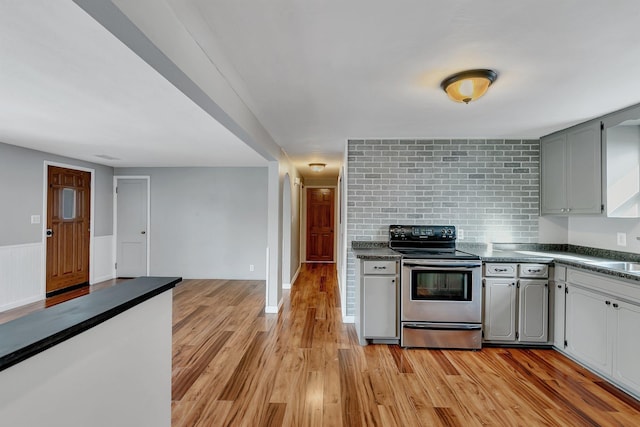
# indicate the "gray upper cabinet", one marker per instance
pixel 571 171
pixel 621 139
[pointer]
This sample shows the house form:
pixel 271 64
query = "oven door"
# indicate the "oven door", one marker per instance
pixel 441 291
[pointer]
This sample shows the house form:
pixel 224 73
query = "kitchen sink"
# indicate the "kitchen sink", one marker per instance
pixel 632 267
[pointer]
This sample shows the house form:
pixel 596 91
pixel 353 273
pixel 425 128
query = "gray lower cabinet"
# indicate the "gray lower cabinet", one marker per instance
pixel 379 299
pixel 516 306
pixel 500 309
pixel 380 308
pixel 602 324
pixel 533 311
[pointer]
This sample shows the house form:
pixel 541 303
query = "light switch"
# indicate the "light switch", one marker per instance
pixel 35 219
pixel 622 239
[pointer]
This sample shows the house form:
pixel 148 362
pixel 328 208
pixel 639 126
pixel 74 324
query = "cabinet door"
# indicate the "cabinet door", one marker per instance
pixel 533 309
pixel 586 329
pixel 584 170
pixel 500 309
pixel 558 315
pixel 626 345
pixel 553 185
pixel 380 307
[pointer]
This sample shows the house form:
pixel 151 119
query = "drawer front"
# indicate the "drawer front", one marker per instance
pixel 500 270
pixel 540 271
pixel 380 267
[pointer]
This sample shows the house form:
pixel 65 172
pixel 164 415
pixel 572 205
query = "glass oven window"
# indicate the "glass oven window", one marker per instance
pixel 441 285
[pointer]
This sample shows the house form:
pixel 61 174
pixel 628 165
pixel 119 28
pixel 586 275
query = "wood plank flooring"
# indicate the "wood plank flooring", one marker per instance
pixel 234 365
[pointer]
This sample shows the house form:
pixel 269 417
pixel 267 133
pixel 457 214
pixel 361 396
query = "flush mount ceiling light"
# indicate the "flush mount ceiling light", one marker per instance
pixel 317 167
pixel 468 86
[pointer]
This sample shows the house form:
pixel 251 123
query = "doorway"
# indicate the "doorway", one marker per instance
pixel 131 225
pixel 68 228
pixel 320 220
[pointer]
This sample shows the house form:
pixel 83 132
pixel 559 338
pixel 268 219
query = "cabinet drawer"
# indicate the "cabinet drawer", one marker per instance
pixel 380 267
pixel 540 271
pixel 500 270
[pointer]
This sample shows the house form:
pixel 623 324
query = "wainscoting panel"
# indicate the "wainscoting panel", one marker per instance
pixel 103 262
pixel 21 275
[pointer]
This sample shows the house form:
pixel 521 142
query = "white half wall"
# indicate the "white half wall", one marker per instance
pixel 103 262
pixel 117 373
pixel 21 275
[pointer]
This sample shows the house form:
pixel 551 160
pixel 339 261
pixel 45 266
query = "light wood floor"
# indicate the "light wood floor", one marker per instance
pixel 234 365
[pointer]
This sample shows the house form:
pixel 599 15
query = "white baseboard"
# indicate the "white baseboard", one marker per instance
pixel 271 309
pixel 348 319
pixel 295 277
pixel 103 278
pixel 21 303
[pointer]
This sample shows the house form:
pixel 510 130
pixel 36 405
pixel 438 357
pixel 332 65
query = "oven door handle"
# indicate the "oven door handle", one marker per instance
pixel 441 266
pixel 443 326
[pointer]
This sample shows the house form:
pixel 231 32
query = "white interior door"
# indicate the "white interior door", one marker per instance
pixel 132 227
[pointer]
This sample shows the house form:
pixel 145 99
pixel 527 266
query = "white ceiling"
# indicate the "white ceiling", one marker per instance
pixel 69 87
pixel 316 73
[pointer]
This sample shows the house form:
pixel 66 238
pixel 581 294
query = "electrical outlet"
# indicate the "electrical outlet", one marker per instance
pixel 622 239
pixel 251 267
pixel 35 219
pixel 460 234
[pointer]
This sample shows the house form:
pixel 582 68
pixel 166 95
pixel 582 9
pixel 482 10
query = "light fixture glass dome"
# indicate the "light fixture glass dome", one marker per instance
pixel 317 167
pixel 468 86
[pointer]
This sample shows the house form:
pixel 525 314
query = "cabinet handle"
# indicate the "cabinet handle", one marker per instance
pixel 500 270
pixel 531 270
pixel 380 268
pixel 568 209
pixel 608 302
pixel 393 280
pixel 615 305
pixel 559 286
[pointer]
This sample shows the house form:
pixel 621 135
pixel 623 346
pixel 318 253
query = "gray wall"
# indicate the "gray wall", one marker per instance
pixel 207 222
pixel 489 188
pixel 21 186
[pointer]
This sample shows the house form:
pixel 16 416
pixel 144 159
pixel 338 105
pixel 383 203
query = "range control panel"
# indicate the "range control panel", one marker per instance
pixel 422 232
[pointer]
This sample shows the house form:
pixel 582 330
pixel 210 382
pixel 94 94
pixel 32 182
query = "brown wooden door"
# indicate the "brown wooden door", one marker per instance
pixel 68 223
pixel 320 211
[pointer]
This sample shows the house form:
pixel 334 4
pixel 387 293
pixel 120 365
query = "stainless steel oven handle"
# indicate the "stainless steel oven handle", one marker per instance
pixel 441 266
pixel 442 327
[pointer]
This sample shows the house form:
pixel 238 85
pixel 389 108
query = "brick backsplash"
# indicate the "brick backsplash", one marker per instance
pixel 488 187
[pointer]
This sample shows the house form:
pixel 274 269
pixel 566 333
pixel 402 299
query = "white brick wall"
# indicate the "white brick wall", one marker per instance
pixel 489 188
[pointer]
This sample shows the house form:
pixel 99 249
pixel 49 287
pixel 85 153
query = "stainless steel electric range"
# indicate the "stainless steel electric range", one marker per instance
pixel 441 288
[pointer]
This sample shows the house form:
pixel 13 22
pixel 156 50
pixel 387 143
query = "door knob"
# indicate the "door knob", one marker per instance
pixel 49 232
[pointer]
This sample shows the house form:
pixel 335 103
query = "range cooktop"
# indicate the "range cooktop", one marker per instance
pixel 427 254
pixel 426 241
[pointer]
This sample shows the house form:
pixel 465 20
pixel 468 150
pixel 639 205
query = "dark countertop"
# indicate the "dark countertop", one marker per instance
pixel 573 256
pixel 377 253
pixel 569 255
pixel 33 333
